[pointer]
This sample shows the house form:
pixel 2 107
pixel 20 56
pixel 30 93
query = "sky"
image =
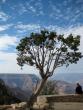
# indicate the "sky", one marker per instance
pixel 18 18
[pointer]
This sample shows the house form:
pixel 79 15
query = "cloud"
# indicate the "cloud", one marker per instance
pixel 54 7
pixel 22 9
pixel 8 64
pixel 39 8
pixel 7 41
pixel 27 27
pixel 5 27
pixel 73 68
pixel 3 16
pixel 75 30
pixel 72 15
pixel 3 1
pixel 30 7
pixel 79 1
pixel 26 7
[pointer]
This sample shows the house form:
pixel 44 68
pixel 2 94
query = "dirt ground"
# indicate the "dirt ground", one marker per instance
pixel 67 106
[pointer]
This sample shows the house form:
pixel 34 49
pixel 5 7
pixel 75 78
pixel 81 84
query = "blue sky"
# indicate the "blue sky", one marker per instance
pixel 19 18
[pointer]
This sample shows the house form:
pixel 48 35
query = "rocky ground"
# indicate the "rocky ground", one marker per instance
pixel 53 106
pixel 17 106
pixel 53 102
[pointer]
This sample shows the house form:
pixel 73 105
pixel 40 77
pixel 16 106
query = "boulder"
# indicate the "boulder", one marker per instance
pixel 41 103
pixel 20 106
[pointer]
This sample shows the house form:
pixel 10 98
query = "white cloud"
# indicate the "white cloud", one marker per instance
pixel 6 41
pixel 3 16
pixel 73 68
pixel 3 1
pixel 31 8
pixel 22 9
pixel 27 27
pixel 79 1
pixel 9 64
pixel 70 16
pixel 77 30
pixel 5 27
pixel 35 8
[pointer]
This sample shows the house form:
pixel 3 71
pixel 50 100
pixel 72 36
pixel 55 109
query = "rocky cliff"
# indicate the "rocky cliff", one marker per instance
pixel 6 96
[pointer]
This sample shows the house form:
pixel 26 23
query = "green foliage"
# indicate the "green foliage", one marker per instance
pixel 47 51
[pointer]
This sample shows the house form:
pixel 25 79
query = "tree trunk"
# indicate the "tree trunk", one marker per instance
pixel 33 98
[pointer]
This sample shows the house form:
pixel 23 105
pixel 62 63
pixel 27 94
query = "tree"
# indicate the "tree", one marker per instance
pixel 48 51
